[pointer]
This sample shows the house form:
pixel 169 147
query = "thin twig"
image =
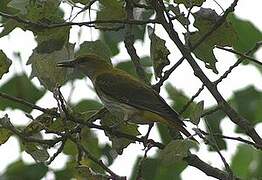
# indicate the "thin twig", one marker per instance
pixel 129 43
pixel 98 162
pixel 219 6
pixel 231 113
pixel 257 45
pixel 59 150
pixel 240 54
pixel 232 138
pixel 192 99
pixel 210 111
pixel 215 147
pixel 218 23
pixel 22 101
pixel 191 159
pixel 8 125
pixel 88 6
pixel 141 164
pixel 86 23
pixel 166 75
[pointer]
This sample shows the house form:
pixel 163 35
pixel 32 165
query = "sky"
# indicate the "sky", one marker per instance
pixel 182 78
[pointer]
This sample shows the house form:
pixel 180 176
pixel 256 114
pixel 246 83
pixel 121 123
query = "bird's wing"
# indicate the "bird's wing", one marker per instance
pixel 125 89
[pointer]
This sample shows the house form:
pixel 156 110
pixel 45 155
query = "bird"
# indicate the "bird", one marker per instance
pixel 125 95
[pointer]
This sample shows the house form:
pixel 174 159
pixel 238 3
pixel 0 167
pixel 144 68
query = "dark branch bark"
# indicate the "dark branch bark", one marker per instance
pixel 231 113
pixel 129 43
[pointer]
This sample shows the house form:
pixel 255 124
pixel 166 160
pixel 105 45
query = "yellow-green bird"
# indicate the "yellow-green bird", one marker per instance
pixel 123 94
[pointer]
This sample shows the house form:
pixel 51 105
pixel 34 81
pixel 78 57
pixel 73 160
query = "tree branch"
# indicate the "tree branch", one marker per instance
pixel 191 159
pixel 232 138
pixel 5 123
pixel 24 102
pixel 218 23
pixel 85 23
pixel 215 147
pixel 240 54
pixel 129 43
pixel 232 114
pixel 257 45
pixel 192 99
pixel 194 161
pixel 98 162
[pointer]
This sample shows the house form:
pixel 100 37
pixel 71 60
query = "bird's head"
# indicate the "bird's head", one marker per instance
pixel 91 65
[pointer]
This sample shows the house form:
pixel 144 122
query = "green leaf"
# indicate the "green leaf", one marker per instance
pixel 225 35
pixel 175 151
pixel 46 12
pixel 90 141
pixel 42 121
pixel 153 169
pixel 180 16
pixel 4 135
pixel 39 153
pixel 158 52
pixel 5 8
pixel 248 103
pixel 190 3
pixel 44 67
pixel 64 174
pixel 197 112
pixel 87 105
pixel 9 25
pixel 244 42
pixel 95 47
pixel 5 63
pixel 50 40
pixel 19 170
pixel 113 38
pixel 247 163
pixel 61 125
pixel 212 122
pixel 85 115
pixel 128 66
pixel 86 172
pixel 19 5
pixel 42 12
pixel 164 133
pixel 242 28
pixel 119 144
pixel 179 100
pixel 26 90
pixel 109 153
pixel 70 148
pixel 110 10
pixel 68 172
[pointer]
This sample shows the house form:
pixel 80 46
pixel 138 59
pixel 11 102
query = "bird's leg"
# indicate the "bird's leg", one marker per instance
pixel 147 134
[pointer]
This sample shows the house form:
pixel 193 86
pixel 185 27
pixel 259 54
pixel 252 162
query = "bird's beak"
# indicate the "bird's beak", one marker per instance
pixel 68 63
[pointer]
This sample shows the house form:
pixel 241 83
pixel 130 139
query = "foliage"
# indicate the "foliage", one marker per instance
pixel 73 124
